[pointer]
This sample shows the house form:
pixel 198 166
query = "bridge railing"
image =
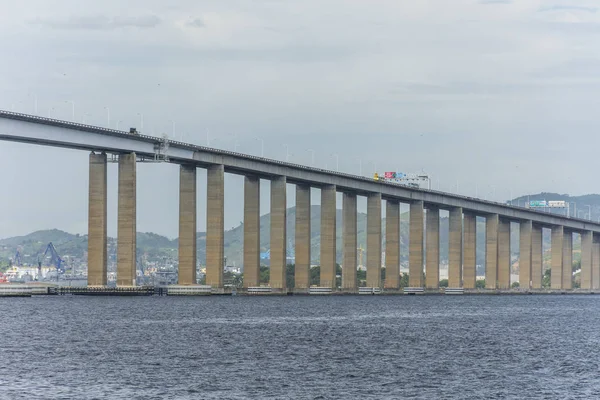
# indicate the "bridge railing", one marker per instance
pixel 189 146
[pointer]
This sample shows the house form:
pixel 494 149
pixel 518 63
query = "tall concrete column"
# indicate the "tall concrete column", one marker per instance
pixel 215 225
pixel 595 263
pixel 349 224
pixel 97 221
pixel 525 229
pixel 392 244
pixel 251 231
pixel 557 240
pixel 302 271
pixel 374 240
pixel 432 248
pixel 126 226
pixel 455 247
pixel 415 251
pixel 187 225
pixel 328 242
pixel 491 251
pixel 470 251
pixel 567 276
pixel 504 254
pixel 278 233
pixel 536 257
pixel 586 259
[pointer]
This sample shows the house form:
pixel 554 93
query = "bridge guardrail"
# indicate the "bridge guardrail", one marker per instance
pixel 154 139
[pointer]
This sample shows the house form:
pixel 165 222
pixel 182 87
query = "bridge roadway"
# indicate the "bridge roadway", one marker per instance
pixel 130 147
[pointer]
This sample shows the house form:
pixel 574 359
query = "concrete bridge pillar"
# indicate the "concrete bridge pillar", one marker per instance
pixel 557 239
pixel 491 251
pixel 97 221
pixel 567 264
pixel 586 259
pixel 432 248
pixel 470 251
pixel 215 228
pixel 504 261
pixel 278 233
pixel 126 227
pixel 328 239
pixel 525 229
pixel 392 244
pixel 302 271
pixel 187 225
pixel 374 240
pixel 536 257
pixel 251 231
pixel 349 224
pixel 455 248
pixel 595 262
pixel 415 252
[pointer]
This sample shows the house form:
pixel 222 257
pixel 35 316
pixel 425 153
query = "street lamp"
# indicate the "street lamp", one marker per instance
pixel 574 208
pixel 173 122
pixel 312 157
pixel 589 211
pixel 50 112
pixel 118 122
pixel 337 161
pixel 360 166
pixel 262 146
pixel 83 119
pixel 141 121
pixel 107 116
pixel 287 152
pixel 374 167
pixel 72 108
pixel 207 138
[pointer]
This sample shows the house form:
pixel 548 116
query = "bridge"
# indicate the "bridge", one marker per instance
pixel 128 148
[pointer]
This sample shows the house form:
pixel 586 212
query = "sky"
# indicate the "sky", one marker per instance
pixel 494 97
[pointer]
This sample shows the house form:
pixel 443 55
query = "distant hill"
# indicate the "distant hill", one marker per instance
pixel 153 246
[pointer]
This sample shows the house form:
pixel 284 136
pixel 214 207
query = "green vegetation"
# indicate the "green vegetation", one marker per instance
pixel 480 284
pixel 444 283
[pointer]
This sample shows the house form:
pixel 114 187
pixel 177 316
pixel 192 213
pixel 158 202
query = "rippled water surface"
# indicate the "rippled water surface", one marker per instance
pixel 490 347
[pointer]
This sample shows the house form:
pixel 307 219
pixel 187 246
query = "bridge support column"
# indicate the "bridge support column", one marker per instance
pixel 504 262
pixel 328 242
pixel 302 271
pixel 470 251
pixel 586 259
pixel 536 257
pixel 97 239
pixel 251 231
pixel 215 225
pixel 455 248
pixel 374 240
pixel 567 264
pixel 126 228
pixel 349 224
pixel 278 233
pixel 595 263
pixel 187 225
pixel 432 248
pixel 525 229
pixel 491 251
pixel 392 244
pixel 415 252
pixel 557 240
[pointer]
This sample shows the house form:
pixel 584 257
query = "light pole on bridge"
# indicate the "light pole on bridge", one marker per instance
pixel 107 116
pixel 141 121
pixel 72 108
pixel 262 146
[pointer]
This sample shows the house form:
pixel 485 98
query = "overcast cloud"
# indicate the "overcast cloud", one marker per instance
pixel 497 94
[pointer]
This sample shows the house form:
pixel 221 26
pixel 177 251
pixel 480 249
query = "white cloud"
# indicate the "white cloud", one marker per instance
pixel 362 79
